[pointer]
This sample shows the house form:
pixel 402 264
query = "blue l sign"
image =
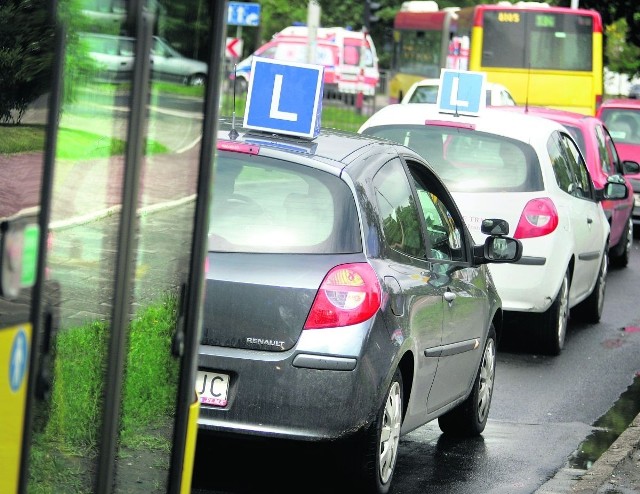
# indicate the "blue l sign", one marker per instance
pixel 243 14
pixel 284 97
pixel 461 92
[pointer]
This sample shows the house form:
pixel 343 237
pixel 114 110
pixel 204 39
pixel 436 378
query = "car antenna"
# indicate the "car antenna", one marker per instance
pixel 233 133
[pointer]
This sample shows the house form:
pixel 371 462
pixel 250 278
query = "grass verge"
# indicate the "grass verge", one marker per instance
pixel 65 448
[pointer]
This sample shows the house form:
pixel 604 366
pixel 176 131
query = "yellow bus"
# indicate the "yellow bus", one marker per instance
pixel 545 56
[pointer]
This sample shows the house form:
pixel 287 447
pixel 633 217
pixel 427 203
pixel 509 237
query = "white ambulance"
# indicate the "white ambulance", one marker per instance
pixel 349 58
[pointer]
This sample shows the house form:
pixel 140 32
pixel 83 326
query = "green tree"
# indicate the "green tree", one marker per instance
pixel 620 55
pixel 26 40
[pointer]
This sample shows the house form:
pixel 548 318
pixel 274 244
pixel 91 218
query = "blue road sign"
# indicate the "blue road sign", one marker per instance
pixel 461 92
pixel 243 14
pixel 284 97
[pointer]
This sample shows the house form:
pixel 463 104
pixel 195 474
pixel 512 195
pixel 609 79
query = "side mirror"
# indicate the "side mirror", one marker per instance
pixel 502 249
pixel 630 167
pixel 615 189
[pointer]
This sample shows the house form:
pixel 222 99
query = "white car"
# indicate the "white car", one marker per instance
pixel 426 91
pixel 529 171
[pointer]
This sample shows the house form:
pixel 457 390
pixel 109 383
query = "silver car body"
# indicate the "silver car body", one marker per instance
pixel 329 383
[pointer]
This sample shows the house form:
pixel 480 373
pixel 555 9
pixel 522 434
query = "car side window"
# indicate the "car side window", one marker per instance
pixel 604 156
pixel 399 214
pixel 612 152
pixel 578 167
pixel 561 170
pixel 444 235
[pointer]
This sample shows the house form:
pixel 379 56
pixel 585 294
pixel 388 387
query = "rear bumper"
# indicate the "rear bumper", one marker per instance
pixel 298 394
pixel 529 285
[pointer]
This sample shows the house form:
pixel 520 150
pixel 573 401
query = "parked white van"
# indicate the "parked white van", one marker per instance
pixel 349 58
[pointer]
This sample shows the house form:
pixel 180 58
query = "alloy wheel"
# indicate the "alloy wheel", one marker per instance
pixel 487 374
pixel 563 311
pixel 390 433
pixel 602 282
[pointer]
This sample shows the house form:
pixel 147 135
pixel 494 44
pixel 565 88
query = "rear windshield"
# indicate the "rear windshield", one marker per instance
pixel 264 205
pixel 623 124
pixel 468 160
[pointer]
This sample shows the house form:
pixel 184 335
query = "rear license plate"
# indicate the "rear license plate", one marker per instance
pixel 212 388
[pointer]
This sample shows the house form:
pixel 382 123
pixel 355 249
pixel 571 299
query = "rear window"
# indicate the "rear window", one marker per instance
pixel 264 205
pixel 623 124
pixel 468 160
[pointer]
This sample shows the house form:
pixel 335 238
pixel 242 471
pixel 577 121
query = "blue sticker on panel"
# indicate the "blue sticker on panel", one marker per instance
pixel 461 92
pixel 284 98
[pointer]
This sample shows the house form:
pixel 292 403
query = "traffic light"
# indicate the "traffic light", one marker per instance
pixel 369 13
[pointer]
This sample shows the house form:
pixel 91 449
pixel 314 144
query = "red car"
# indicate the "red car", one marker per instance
pixel 622 117
pixel 603 160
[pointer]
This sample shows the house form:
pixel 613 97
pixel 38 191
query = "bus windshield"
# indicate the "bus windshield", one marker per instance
pixel 537 40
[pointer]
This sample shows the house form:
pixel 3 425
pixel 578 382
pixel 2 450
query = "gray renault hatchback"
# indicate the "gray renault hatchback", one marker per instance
pixel 345 302
pixel 340 273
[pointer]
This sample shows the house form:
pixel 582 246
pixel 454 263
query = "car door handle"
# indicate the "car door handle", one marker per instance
pixel 589 221
pixel 449 297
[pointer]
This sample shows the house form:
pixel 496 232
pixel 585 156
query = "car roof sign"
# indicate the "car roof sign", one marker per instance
pixel 461 92
pixel 284 97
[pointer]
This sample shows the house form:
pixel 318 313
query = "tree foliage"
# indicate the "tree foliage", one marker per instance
pixel 26 40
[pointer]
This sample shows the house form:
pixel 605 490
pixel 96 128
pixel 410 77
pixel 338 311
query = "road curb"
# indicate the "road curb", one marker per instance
pixel 601 471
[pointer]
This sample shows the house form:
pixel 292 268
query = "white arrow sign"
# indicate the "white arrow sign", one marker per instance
pixel 233 48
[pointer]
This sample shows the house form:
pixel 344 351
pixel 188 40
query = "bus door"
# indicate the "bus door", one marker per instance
pixel 105 177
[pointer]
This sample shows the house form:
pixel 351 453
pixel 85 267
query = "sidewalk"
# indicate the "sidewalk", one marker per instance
pixel 617 471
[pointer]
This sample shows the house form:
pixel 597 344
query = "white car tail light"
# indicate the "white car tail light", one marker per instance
pixel 539 218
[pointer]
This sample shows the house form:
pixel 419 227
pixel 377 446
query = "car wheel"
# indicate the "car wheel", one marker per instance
pixel 590 309
pixel 381 442
pixel 197 80
pixel 470 417
pixel 553 326
pixel 620 253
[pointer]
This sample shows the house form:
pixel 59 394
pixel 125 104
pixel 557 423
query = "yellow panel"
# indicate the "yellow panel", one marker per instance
pixel 400 84
pixel 190 447
pixel 15 343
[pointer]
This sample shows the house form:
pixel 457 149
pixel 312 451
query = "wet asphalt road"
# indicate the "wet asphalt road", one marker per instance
pixel 543 407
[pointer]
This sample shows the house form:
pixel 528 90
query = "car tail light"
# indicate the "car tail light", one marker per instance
pixel 539 218
pixel 349 294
